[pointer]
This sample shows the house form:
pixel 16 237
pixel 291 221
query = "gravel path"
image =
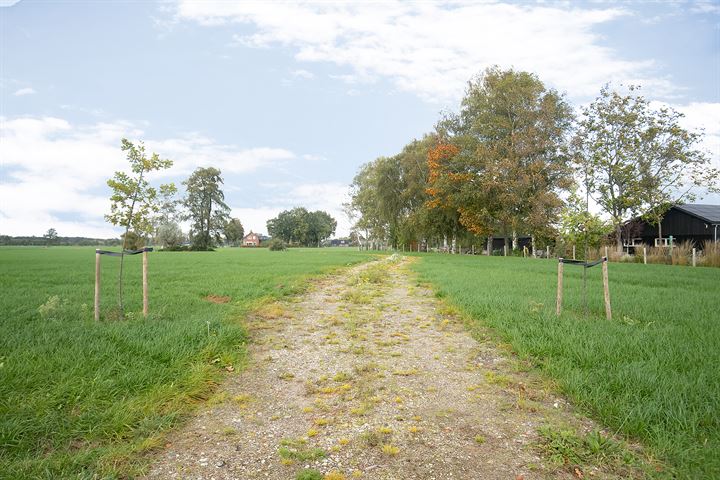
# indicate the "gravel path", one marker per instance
pixel 368 375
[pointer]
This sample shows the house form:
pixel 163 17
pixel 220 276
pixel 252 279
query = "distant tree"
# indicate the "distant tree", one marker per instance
pixel 169 235
pixel 234 232
pixel 133 201
pixel 206 207
pixel 50 236
pixel 300 227
pixel 289 226
pixel 168 207
pixel 672 168
pixel 639 160
pixel 320 226
pixel 502 160
pixel 132 241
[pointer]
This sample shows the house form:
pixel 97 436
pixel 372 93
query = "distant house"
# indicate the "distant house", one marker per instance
pixel 251 240
pixel 694 222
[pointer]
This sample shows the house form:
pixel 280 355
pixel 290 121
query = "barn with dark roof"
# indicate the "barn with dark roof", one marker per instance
pixel 693 222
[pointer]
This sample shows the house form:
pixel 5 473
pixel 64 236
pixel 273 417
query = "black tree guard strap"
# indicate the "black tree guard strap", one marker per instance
pixel 126 252
pixel 582 263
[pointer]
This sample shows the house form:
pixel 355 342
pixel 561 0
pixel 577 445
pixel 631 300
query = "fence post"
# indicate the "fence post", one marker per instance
pixel 558 306
pixel 97 285
pixel 693 257
pixel 145 283
pixel 606 289
pixel 645 255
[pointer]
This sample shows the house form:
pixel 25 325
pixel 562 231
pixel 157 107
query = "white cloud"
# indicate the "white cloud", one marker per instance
pixel 24 91
pixel 432 49
pixel 53 172
pixel 303 74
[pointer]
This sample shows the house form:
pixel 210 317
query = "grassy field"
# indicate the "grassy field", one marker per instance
pixel 652 373
pixel 80 399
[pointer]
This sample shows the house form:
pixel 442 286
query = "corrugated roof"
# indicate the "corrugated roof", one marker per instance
pixel 708 213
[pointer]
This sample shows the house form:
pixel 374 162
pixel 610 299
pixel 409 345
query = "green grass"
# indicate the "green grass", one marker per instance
pixel 652 373
pixel 83 399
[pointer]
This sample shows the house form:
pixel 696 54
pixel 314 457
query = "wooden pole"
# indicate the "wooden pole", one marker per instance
pixel 645 255
pixel 547 249
pixel 606 289
pixel 693 257
pixel 524 252
pixel 473 249
pixel 97 285
pixel 574 253
pixel 145 283
pixel 558 307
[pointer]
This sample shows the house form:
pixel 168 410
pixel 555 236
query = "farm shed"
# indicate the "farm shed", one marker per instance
pixel 692 222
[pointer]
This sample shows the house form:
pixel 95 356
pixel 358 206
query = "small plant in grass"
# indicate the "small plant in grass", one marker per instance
pixel 371 438
pixel 309 474
pixel 52 308
pixel 479 439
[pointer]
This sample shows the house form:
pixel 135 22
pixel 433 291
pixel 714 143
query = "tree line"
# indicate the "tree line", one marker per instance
pixel 516 160
pixel 154 214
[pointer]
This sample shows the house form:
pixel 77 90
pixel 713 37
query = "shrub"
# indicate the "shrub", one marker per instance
pixel 276 245
pixel 681 253
pixel 711 254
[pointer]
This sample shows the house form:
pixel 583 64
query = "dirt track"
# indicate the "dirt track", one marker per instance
pixel 368 375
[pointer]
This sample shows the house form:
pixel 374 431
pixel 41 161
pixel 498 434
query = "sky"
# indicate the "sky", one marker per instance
pixel 289 100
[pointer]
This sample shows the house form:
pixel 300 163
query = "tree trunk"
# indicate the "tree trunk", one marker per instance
pixel 489 245
pixel 618 242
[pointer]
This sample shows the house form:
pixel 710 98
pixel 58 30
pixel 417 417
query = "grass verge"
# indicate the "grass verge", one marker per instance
pixel 651 373
pixel 87 399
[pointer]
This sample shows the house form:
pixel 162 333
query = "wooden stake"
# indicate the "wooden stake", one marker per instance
pixel 645 255
pixel 97 285
pixel 693 257
pixel 558 307
pixel 574 253
pixel 145 283
pixel 606 289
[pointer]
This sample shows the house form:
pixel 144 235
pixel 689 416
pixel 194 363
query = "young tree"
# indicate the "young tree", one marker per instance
pixel 234 232
pixel 206 207
pixel 50 236
pixel 610 145
pixel 580 227
pixel 133 201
